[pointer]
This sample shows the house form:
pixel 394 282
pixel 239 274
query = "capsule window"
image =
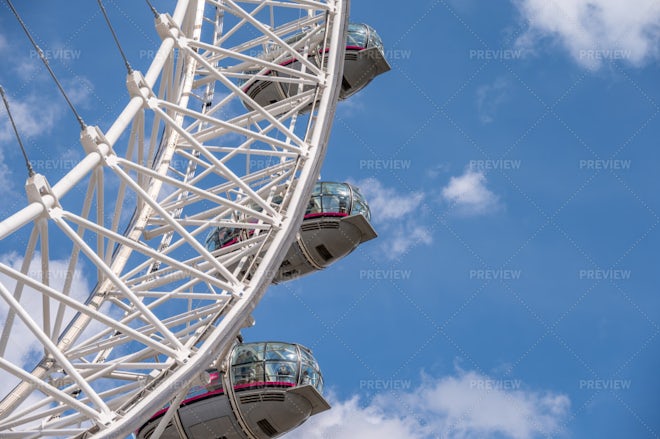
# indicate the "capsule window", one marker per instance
pixel 248 373
pixel 330 203
pixel 247 354
pixel 281 351
pixel 311 376
pixel 374 39
pixel 212 240
pixel 308 358
pixel 274 362
pixel 359 207
pixel 336 189
pixel 221 236
pixel 357 35
pixel 314 205
pixel 281 372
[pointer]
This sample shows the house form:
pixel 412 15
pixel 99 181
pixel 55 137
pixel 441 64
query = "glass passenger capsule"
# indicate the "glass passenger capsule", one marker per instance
pixel 273 388
pixel 336 222
pixel 363 61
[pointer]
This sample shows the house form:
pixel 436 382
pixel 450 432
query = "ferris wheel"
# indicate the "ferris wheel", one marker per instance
pixel 226 130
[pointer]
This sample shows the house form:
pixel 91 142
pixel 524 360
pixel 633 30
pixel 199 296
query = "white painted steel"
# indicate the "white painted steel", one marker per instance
pixel 189 152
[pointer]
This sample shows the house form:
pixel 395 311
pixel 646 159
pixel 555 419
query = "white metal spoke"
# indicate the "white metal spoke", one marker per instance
pixel 205 194
pixel 104 414
pixel 100 317
pixel 143 249
pixel 11 313
pixel 120 285
pixel 234 88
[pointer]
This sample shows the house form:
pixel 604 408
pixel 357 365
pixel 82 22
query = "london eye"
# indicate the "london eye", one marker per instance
pixel 202 193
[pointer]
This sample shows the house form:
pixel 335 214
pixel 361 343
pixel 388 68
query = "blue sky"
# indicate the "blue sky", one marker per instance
pixel 510 157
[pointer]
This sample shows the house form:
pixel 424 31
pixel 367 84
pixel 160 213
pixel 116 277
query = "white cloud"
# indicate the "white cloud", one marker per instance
pixel 387 203
pixel 349 419
pixel 3 43
pixel 464 7
pixel 463 406
pixel 435 171
pixel 79 90
pixel 36 104
pixel 490 97
pixel 469 195
pixel 348 108
pixel 405 237
pixel 6 180
pixel 594 31
pixel 396 215
pixel 33 114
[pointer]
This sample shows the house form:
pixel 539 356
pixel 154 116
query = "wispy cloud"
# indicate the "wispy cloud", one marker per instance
pixel 34 117
pixel 33 114
pixel 3 43
pixel 349 107
pixel 469 195
pixel 79 90
pixel 6 180
pixel 387 203
pixel 35 102
pixel 466 405
pixel 490 97
pixel 397 217
pixel 594 31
